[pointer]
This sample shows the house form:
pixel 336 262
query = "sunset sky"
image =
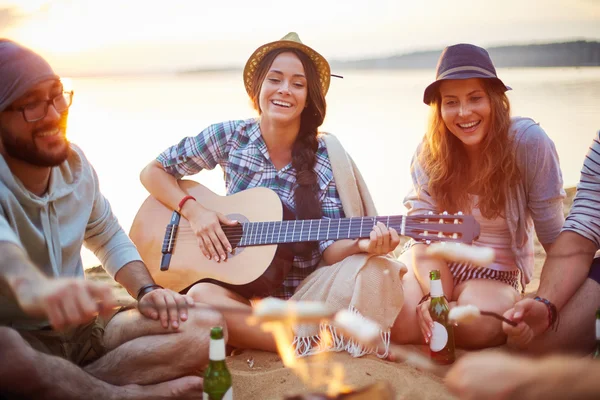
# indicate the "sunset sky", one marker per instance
pixel 90 36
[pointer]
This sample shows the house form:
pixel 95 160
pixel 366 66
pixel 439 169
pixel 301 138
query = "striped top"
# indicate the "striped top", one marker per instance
pixel 238 147
pixel 495 234
pixel 584 218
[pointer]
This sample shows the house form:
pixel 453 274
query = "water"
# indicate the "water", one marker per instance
pixel 123 123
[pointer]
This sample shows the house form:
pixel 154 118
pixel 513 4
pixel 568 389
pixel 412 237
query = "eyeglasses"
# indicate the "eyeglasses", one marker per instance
pixel 36 111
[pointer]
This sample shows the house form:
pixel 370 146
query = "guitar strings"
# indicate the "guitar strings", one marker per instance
pixel 186 239
pixel 254 232
pixel 413 230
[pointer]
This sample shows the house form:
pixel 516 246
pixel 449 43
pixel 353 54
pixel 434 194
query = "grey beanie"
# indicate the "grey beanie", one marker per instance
pixel 20 69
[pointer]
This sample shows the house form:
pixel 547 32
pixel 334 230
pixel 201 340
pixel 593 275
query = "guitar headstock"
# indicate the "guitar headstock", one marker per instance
pixel 442 227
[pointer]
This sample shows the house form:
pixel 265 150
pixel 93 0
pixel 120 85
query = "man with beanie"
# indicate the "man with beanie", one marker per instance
pixel 58 335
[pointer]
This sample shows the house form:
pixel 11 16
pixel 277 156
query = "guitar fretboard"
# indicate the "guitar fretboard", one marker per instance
pixel 294 231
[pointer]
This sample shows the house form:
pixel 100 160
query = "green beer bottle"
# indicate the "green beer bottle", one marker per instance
pixel 217 379
pixel 597 352
pixel 441 345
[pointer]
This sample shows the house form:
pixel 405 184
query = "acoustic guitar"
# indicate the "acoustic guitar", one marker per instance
pixel 261 255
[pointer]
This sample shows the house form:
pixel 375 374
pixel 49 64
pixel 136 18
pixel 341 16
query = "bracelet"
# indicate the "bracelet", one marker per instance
pixel 552 312
pixel 144 290
pixel 182 202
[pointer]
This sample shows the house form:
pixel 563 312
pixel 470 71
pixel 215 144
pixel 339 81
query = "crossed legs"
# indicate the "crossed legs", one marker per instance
pixel 145 361
pixel 486 294
pixel 240 333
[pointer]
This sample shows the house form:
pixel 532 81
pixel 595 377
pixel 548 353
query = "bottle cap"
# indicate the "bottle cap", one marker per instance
pixel 216 332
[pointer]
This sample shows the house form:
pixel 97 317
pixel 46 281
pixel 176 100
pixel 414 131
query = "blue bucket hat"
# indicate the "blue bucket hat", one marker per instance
pixel 462 61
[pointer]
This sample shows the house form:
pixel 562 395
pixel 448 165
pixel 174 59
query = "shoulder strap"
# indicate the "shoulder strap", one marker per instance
pixel 353 191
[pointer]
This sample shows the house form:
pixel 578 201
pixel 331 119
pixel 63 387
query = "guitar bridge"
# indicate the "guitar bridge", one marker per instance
pixel 169 241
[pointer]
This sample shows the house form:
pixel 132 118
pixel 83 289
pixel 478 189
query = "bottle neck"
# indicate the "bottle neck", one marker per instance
pixel 435 288
pixel 216 351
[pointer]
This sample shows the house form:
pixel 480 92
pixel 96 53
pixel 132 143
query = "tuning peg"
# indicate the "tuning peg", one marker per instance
pixel 430 213
pixel 445 213
pixel 455 236
pixel 426 233
pixel 456 220
pixel 440 235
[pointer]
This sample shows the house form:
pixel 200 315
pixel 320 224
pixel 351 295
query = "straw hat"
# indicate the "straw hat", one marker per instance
pixel 291 40
pixel 463 61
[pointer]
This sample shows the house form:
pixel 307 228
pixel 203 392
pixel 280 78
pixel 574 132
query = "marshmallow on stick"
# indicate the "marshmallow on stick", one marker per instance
pixel 469 313
pixel 480 256
pixel 362 329
pixel 272 309
pixel 464 314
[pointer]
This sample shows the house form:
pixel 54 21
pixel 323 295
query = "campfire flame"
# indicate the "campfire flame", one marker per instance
pixel 316 374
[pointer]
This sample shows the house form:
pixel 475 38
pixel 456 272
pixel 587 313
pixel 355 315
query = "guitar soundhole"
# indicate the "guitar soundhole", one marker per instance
pixel 234 233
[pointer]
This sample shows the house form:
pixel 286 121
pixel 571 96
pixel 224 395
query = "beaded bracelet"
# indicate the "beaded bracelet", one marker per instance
pixel 552 312
pixel 144 290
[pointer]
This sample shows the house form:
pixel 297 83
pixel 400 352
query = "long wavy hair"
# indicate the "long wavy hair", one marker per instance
pixel 304 159
pixel 443 157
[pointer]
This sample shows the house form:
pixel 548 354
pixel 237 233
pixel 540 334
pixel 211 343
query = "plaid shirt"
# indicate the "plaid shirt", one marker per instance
pixel 238 147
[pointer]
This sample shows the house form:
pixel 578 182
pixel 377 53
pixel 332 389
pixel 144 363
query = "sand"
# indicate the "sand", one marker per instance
pixel 261 375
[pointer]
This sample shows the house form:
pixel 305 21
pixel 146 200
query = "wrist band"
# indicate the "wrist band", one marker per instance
pixel 182 202
pixel 144 290
pixel 552 313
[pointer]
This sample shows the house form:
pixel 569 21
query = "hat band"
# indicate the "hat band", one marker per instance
pixel 466 68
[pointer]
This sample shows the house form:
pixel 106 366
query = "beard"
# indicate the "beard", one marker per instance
pixel 27 150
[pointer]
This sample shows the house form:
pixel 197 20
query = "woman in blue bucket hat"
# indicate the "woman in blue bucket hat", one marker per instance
pixel 476 159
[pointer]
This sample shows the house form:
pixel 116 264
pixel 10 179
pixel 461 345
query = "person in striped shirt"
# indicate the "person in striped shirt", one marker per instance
pixel 281 149
pixel 569 287
pixel 570 281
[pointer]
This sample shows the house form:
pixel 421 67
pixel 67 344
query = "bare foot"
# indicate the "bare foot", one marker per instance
pixel 188 387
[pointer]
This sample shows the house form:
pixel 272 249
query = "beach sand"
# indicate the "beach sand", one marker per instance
pixel 261 375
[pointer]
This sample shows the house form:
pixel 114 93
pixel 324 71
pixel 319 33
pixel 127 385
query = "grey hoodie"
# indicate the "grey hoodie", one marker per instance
pixel 52 228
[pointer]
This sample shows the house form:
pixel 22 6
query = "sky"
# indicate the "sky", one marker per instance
pixel 112 36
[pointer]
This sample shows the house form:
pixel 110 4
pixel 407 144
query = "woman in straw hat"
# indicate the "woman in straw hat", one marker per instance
pixel 281 149
pixel 474 158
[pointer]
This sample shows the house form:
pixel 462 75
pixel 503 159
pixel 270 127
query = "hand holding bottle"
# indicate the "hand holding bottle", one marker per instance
pixel 425 321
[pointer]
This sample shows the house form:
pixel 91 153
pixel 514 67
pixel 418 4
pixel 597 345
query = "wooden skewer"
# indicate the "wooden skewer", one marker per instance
pixel 133 303
pixel 294 318
pixel 415 359
pixel 498 316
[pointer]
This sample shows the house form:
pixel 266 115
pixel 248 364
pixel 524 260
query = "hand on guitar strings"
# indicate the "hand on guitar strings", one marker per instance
pixel 206 225
pixel 381 240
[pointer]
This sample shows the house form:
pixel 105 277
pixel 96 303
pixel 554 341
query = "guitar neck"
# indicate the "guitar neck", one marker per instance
pixel 294 231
